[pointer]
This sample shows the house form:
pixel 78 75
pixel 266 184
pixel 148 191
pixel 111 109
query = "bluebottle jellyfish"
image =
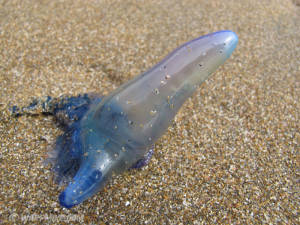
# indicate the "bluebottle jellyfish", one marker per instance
pixel 109 135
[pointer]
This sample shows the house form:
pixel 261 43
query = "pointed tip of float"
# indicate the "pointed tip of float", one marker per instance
pixel 63 202
pixel 230 40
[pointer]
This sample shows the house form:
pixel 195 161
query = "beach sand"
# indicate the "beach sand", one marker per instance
pixel 232 153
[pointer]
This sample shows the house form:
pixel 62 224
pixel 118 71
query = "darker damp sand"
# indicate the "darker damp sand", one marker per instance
pixel 229 157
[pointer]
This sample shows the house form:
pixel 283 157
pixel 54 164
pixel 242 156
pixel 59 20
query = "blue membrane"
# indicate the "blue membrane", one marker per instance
pixel 106 136
pixel 68 146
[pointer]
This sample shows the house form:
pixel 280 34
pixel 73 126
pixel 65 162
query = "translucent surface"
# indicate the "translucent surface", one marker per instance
pixel 117 132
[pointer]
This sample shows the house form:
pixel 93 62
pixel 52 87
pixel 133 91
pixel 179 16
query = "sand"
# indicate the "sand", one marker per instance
pixel 232 153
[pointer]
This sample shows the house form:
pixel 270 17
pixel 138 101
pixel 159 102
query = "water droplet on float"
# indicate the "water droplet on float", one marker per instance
pixel 98 174
pixel 163 82
pixel 153 112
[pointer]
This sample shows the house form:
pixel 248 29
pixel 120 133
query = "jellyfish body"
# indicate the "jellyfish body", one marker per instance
pixel 112 134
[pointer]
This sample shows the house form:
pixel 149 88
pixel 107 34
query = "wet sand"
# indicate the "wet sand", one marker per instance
pixel 232 153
